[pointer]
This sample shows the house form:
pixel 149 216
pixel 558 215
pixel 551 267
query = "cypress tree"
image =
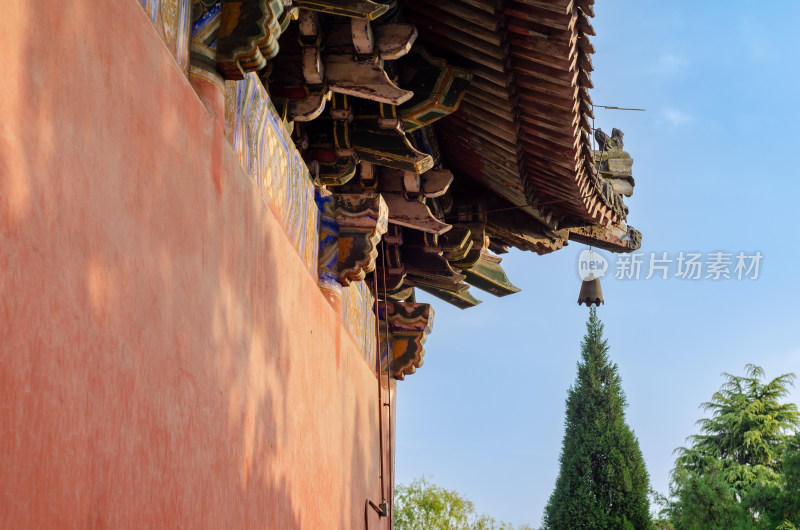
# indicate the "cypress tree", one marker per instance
pixel 602 483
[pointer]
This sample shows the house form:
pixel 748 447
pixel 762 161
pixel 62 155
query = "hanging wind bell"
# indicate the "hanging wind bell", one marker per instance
pixel 590 293
pixel 591 267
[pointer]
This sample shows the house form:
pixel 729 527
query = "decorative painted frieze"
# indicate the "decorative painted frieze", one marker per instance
pixel 354 300
pixel 269 157
pixel 328 261
pixel 358 316
pixel 171 19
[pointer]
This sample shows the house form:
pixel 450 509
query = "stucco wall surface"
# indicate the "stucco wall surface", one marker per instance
pixel 166 361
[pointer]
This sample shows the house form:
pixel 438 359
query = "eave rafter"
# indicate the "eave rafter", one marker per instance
pixel 614 238
pixel 414 115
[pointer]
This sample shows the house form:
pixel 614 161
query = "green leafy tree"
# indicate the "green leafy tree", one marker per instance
pixel 786 502
pixel 748 424
pixel 743 469
pixel 602 483
pixel 421 505
pixel 706 501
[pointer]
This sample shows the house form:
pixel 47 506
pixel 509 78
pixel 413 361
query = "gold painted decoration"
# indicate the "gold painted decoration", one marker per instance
pixel 171 20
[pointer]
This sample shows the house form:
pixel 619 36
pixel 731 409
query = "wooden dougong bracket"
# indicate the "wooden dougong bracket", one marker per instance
pixel 409 324
pixel 362 221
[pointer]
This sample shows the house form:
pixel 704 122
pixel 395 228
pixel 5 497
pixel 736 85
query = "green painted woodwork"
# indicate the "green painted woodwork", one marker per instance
pixel 488 276
pixel 438 88
pixel 461 300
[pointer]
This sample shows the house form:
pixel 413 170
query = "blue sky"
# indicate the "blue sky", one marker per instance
pixel 716 170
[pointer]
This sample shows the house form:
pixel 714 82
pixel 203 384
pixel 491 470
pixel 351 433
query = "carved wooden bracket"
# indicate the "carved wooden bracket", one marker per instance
pixel 330 144
pixel 409 324
pixel 477 234
pixel 456 243
pixel 248 35
pixel 511 227
pixel 438 88
pixel 390 278
pixel 614 238
pixel 362 220
pixel 348 76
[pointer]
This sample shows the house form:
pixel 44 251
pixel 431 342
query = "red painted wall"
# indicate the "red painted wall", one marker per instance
pixel 165 359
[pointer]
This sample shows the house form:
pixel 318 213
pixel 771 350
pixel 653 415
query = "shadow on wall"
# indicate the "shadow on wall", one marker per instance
pixel 165 358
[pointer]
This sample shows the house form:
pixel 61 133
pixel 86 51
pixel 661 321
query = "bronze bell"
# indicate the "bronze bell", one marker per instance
pixel 590 293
